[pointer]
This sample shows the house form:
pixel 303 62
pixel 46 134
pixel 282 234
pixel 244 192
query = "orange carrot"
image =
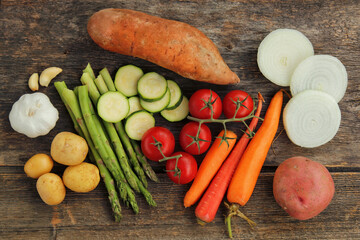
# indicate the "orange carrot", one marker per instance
pixel 209 166
pixel 210 202
pixel 247 172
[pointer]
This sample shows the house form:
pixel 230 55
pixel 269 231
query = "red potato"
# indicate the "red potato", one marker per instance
pixel 170 44
pixel 302 187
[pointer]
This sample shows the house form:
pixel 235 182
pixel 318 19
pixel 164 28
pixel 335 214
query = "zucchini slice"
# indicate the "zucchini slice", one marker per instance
pixel 138 123
pixel 178 113
pixel 113 106
pixel 152 86
pixel 156 106
pixel 134 103
pixel 126 79
pixel 175 95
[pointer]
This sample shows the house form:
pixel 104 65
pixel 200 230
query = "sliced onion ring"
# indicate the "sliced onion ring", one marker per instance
pixel 311 118
pixel 320 72
pixel 280 52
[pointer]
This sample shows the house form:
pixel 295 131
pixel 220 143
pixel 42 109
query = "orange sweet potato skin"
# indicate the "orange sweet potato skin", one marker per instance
pixel 170 44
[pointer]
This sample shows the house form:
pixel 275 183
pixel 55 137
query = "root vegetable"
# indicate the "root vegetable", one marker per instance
pixel 171 44
pixel 38 165
pixel 247 172
pixel 302 187
pixel 34 82
pixel 320 72
pixel 48 74
pixel 311 118
pixel 280 52
pixel 83 177
pixel 68 148
pixel 51 188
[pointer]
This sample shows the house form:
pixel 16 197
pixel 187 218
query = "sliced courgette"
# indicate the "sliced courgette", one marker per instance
pixel 126 80
pixel 113 106
pixel 175 94
pixel 152 86
pixel 178 113
pixel 156 106
pixel 138 123
pixel 134 103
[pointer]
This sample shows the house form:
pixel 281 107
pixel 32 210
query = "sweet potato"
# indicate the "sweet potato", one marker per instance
pixel 302 187
pixel 170 44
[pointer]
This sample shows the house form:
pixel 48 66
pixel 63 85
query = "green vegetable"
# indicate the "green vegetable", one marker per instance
pixel 152 86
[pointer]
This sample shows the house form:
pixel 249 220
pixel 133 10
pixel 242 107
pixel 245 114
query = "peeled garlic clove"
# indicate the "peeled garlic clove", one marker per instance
pixel 34 82
pixel 48 74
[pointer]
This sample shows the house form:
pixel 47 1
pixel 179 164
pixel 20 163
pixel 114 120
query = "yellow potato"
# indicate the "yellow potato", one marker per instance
pixel 51 188
pixel 68 148
pixel 38 165
pixel 81 178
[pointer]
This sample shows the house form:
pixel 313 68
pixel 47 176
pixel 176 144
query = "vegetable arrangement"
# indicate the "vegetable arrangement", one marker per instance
pixel 111 116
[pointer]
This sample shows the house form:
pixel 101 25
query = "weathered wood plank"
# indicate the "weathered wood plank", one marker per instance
pixel 89 215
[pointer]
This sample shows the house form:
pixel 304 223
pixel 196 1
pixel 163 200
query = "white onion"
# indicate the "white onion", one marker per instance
pixel 280 52
pixel 311 118
pixel 320 72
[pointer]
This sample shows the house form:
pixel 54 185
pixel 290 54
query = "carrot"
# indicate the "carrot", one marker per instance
pixel 210 202
pixel 209 166
pixel 171 44
pixel 247 172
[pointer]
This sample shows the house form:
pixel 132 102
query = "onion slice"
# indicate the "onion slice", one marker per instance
pixel 320 72
pixel 280 52
pixel 311 118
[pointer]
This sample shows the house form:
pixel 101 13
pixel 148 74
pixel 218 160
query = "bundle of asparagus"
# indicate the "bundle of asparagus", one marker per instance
pixel 123 172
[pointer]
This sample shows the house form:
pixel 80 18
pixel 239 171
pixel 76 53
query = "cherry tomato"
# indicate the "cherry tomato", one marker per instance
pixel 163 137
pixel 188 134
pixel 242 98
pixel 187 167
pixel 199 104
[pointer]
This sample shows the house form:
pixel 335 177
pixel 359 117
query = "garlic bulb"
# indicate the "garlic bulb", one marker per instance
pixel 33 115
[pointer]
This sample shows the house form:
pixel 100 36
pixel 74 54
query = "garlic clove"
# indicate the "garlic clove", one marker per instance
pixel 34 82
pixel 48 74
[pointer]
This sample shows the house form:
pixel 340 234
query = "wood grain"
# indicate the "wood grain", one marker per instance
pixel 38 34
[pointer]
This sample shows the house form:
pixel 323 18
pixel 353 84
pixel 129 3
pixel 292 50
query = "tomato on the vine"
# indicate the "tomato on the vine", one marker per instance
pixel 157 136
pixel 234 98
pixel 201 101
pixel 191 143
pixel 186 168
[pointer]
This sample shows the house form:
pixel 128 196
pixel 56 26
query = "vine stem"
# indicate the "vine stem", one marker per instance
pixel 224 121
pixel 165 158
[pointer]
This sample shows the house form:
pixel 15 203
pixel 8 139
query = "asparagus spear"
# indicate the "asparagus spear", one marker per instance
pixel 130 150
pixel 94 157
pixel 142 159
pixel 108 80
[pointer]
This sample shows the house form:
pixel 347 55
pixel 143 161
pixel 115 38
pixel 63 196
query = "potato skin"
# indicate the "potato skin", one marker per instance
pixel 51 188
pixel 302 187
pixel 170 44
pixel 38 165
pixel 81 178
pixel 68 148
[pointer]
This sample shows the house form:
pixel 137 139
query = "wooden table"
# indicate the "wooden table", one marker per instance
pixel 39 34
